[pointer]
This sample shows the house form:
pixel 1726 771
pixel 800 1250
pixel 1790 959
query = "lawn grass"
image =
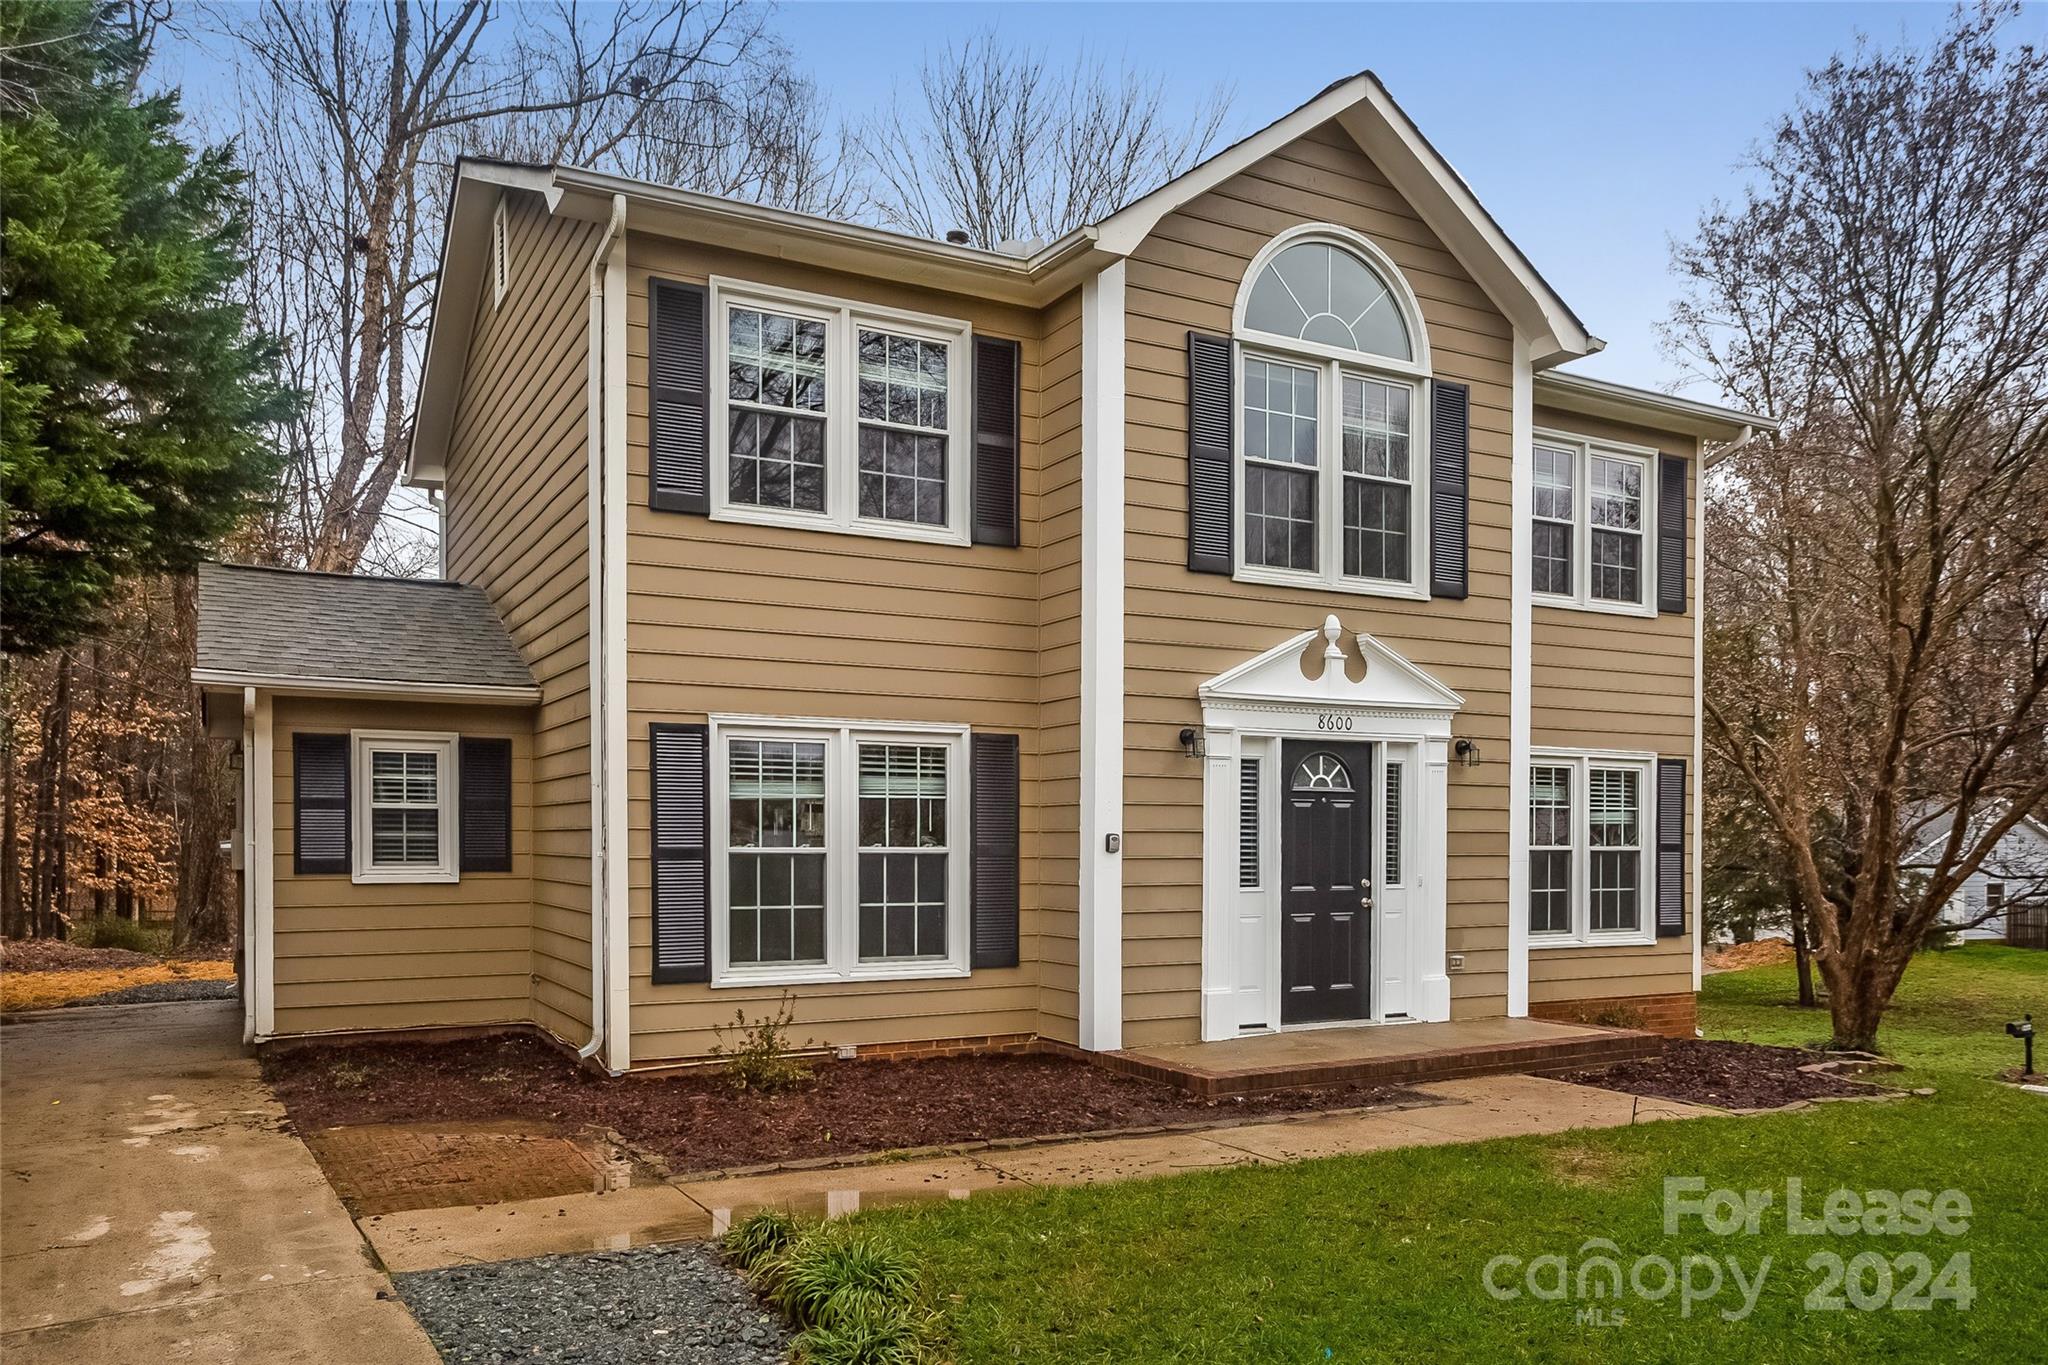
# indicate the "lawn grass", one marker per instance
pixel 1381 1257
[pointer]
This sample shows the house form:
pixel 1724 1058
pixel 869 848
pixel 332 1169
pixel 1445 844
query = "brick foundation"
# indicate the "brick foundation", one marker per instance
pixel 1674 1016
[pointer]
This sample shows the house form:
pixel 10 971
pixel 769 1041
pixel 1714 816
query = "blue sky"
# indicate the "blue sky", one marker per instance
pixel 1593 132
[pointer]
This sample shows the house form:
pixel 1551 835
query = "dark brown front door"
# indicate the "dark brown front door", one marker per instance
pixel 1326 881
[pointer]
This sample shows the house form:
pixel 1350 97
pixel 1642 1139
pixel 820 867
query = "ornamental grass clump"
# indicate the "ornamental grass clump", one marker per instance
pixel 852 1297
pixel 759 1239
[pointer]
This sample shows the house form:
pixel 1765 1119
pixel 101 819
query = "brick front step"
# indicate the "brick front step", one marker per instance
pixel 1588 1047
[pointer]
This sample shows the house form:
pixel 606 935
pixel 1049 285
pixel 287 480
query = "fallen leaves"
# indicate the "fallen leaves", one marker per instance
pixel 42 990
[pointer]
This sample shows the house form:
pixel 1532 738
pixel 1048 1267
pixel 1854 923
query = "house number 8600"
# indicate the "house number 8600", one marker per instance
pixel 1331 722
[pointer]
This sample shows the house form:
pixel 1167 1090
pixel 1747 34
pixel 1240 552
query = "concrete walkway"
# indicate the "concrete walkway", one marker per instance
pixel 154 1210
pixel 1461 1111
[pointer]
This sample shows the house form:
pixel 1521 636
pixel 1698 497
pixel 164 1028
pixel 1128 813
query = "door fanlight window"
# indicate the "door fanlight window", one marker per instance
pixel 1322 773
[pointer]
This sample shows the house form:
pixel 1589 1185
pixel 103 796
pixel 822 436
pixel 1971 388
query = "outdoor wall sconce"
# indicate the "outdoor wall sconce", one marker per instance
pixel 1467 752
pixel 1191 742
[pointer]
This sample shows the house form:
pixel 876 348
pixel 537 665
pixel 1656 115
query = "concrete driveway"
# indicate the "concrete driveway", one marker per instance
pixel 152 1207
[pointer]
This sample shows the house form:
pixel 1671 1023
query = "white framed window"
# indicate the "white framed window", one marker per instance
pixel 839 851
pixel 1593 523
pixel 1590 817
pixel 838 415
pixel 1332 427
pixel 404 806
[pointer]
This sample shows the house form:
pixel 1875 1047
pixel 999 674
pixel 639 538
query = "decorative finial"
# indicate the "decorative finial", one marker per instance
pixel 1333 632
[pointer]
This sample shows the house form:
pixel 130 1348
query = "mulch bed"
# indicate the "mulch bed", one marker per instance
pixel 1725 1075
pixel 696 1122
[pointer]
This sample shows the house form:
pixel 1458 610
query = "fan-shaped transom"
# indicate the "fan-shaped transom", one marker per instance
pixel 1320 292
pixel 1322 773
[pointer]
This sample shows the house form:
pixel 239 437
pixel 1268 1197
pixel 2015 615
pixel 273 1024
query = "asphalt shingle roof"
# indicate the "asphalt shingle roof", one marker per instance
pixel 288 623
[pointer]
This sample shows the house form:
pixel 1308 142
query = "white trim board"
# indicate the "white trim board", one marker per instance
pixel 1100 948
pixel 1521 673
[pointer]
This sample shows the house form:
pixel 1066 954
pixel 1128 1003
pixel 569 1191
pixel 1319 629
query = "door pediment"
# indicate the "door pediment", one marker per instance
pixel 1277 677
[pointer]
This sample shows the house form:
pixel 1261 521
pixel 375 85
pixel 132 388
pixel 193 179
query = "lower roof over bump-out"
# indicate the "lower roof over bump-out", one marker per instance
pixel 291 628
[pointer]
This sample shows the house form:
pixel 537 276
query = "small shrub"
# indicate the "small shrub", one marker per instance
pixel 833 1278
pixel 1618 1016
pixel 891 1336
pixel 130 935
pixel 348 1076
pixel 757 1239
pixel 762 1058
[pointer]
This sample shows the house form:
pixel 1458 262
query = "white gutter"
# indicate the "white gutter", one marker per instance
pixel 599 628
pixel 300 685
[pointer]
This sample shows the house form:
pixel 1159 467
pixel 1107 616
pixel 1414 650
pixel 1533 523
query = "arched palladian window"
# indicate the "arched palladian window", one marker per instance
pixel 1331 415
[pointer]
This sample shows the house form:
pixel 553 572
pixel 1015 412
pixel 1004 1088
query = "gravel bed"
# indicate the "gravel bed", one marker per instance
pixel 159 992
pixel 655 1304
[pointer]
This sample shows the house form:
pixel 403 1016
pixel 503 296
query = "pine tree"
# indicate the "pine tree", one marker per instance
pixel 135 399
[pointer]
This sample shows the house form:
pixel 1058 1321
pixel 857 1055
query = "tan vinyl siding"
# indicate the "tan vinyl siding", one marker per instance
pixel 1603 681
pixel 1059 664
pixel 401 955
pixel 518 527
pixel 1183 628
pixel 775 621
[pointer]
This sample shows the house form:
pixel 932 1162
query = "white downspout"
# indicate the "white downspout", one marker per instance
pixel 599 627
pixel 247 853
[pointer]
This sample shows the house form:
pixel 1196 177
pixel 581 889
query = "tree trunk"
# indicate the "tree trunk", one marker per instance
pixel 1802 951
pixel 1857 996
pixel 10 866
pixel 60 893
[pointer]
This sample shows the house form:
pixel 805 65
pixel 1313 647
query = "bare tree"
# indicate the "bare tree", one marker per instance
pixel 997 144
pixel 1878 608
pixel 350 114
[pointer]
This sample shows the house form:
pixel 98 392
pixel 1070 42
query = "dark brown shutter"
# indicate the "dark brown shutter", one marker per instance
pixel 1450 460
pixel 680 764
pixel 320 823
pixel 995 441
pixel 995 805
pixel 1210 404
pixel 1670 847
pixel 486 804
pixel 678 398
pixel 1671 474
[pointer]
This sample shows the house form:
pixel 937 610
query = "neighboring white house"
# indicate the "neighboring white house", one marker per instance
pixel 2016 873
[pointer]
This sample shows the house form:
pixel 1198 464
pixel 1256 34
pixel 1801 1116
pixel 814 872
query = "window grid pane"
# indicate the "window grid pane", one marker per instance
pixel 405 809
pixel 903 860
pixel 1377 471
pixel 1555 514
pixel 1280 499
pixel 1550 850
pixel 1614 828
pixel 902 456
pixel 775 797
pixel 775 389
pixel 1614 512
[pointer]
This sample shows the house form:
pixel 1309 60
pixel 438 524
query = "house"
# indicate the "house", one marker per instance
pixel 1227 618
pixel 2014 876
